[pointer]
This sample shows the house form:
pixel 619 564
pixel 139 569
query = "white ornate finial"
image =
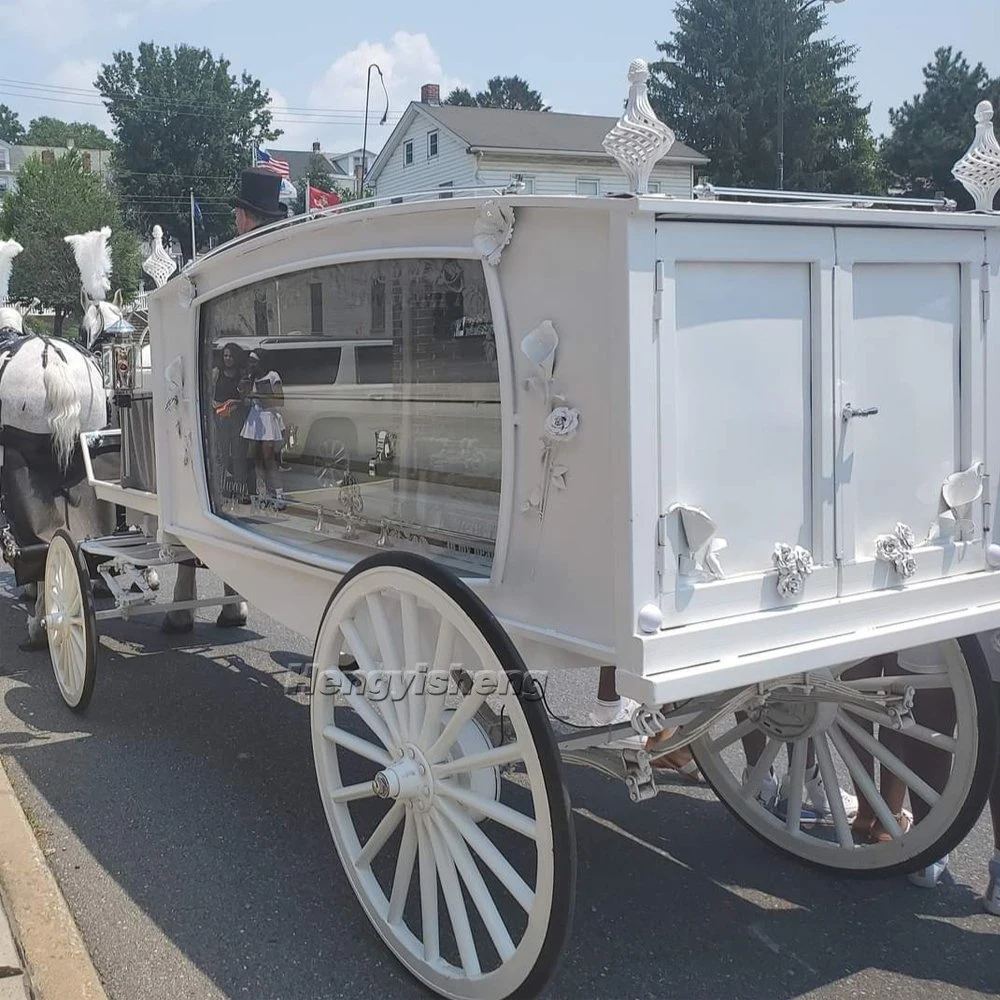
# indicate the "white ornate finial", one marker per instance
pixel 639 139
pixel 159 265
pixel 979 169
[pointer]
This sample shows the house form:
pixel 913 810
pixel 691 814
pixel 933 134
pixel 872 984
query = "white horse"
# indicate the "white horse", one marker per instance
pixel 51 391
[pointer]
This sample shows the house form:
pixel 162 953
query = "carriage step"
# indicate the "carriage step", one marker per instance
pixel 135 548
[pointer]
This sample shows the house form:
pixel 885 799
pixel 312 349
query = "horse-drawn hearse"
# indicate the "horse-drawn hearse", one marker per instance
pixel 744 451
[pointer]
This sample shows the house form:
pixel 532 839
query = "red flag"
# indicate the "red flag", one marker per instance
pixel 316 199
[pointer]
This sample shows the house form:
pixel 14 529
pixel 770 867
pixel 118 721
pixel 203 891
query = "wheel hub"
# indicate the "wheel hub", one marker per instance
pixel 408 779
pixel 794 717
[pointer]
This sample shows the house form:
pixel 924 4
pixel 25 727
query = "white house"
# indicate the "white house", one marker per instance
pixel 13 157
pixel 6 167
pixel 435 146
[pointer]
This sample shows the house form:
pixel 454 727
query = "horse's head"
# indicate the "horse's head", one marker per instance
pixel 10 319
pixel 103 317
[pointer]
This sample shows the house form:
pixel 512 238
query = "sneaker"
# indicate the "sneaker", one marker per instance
pixel 991 901
pixel 928 878
pixel 767 794
pixel 815 804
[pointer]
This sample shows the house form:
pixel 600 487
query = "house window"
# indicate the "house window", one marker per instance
pixel 408 153
pixel 85 160
pixel 432 144
pixel 48 156
pixel 588 186
pixel 446 193
pixel 654 187
pixel 3 159
pixel 316 306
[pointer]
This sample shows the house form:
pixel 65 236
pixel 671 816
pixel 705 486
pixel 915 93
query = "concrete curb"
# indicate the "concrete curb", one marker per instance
pixel 57 962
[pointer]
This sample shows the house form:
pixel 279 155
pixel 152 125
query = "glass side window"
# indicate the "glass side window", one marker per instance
pixel 372 421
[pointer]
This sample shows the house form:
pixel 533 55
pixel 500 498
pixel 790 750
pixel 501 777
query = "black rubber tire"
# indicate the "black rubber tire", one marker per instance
pixel 970 811
pixel 557 794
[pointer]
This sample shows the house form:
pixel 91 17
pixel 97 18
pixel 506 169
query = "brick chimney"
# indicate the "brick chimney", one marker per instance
pixel 430 93
pixel 315 147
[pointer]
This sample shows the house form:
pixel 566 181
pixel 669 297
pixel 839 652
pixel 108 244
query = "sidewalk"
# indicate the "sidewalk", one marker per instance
pixel 49 960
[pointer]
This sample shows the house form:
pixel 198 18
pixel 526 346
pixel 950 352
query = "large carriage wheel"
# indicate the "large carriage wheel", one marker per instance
pixel 70 624
pixel 840 734
pixel 469 879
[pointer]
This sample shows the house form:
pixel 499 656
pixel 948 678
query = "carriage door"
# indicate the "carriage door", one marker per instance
pixel 909 406
pixel 746 388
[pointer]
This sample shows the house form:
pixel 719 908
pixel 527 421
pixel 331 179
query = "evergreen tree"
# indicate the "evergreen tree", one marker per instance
pixel 718 88
pixel 508 92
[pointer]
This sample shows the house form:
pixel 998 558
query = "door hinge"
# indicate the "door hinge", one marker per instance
pixel 984 284
pixel 987 507
pixel 658 293
pixel 661 547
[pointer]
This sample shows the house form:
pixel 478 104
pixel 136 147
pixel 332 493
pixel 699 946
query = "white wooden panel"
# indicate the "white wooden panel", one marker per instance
pixel 745 405
pixel 910 343
pixel 558 175
pixel 743 420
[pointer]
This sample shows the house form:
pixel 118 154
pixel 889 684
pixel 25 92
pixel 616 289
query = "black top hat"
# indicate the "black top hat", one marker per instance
pixel 259 189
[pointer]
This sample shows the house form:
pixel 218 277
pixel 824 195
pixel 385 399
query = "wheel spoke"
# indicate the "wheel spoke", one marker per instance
pixel 490 854
pixel 477 888
pixel 431 931
pixel 404 870
pixel 796 777
pixel 864 783
pixel 342 738
pixel 888 759
pixel 913 731
pixel 729 738
pixel 382 833
pixel 759 771
pixel 455 903
pixel 464 713
pixel 391 663
pixel 363 708
pixel 828 771
pixel 435 703
pixel 510 818
pixel 506 754
pixel 366 662
pixel 411 663
pixel 351 793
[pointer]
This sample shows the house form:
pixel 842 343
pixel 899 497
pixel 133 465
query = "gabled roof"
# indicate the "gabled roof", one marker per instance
pixel 534 133
pixel 298 161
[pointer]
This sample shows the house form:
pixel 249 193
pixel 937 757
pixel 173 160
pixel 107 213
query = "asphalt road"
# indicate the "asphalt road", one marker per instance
pixel 181 819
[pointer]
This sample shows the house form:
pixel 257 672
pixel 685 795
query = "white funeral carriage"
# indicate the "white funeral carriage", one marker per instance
pixel 743 451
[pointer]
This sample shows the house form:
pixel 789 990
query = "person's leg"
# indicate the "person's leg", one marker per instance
pixel 185 589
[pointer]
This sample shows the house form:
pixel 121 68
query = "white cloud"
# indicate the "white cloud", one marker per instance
pixel 83 102
pixel 407 62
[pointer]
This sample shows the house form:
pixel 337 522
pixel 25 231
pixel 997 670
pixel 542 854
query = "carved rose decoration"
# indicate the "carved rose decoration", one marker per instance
pixel 561 424
pixel 794 563
pixel 895 549
pixel 493 230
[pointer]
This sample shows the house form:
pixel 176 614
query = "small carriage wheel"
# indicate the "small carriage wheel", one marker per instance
pixel 839 733
pixel 473 895
pixel 70 624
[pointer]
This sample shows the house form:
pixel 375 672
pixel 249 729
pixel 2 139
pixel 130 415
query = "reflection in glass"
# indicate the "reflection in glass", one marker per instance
pixel 368 409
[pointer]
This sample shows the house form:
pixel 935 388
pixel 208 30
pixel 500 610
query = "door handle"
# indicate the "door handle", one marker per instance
pixel 849 411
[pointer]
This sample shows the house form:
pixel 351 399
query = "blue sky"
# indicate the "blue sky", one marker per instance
pixel 312 56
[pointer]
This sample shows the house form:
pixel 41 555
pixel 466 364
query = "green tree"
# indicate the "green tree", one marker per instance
pixel 46 131
pixel 932 131
pixel 11 128
pixel 718 87
pixel 183 121
pixel 508 92
pixel 53 200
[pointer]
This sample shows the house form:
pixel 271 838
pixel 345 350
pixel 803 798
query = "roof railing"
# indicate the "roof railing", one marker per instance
pixel 708 192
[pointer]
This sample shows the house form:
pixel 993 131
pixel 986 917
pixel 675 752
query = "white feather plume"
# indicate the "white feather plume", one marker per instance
pixel 93 258
pixel 9 249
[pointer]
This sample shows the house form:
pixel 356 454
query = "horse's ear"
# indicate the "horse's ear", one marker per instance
pixel 118 300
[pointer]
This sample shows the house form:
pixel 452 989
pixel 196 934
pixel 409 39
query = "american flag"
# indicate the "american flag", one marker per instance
pixel 269 162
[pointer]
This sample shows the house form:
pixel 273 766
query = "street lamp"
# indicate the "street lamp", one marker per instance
pixel 800 9
pixel 385 115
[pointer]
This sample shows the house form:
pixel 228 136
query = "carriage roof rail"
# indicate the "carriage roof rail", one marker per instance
pixel 709 192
